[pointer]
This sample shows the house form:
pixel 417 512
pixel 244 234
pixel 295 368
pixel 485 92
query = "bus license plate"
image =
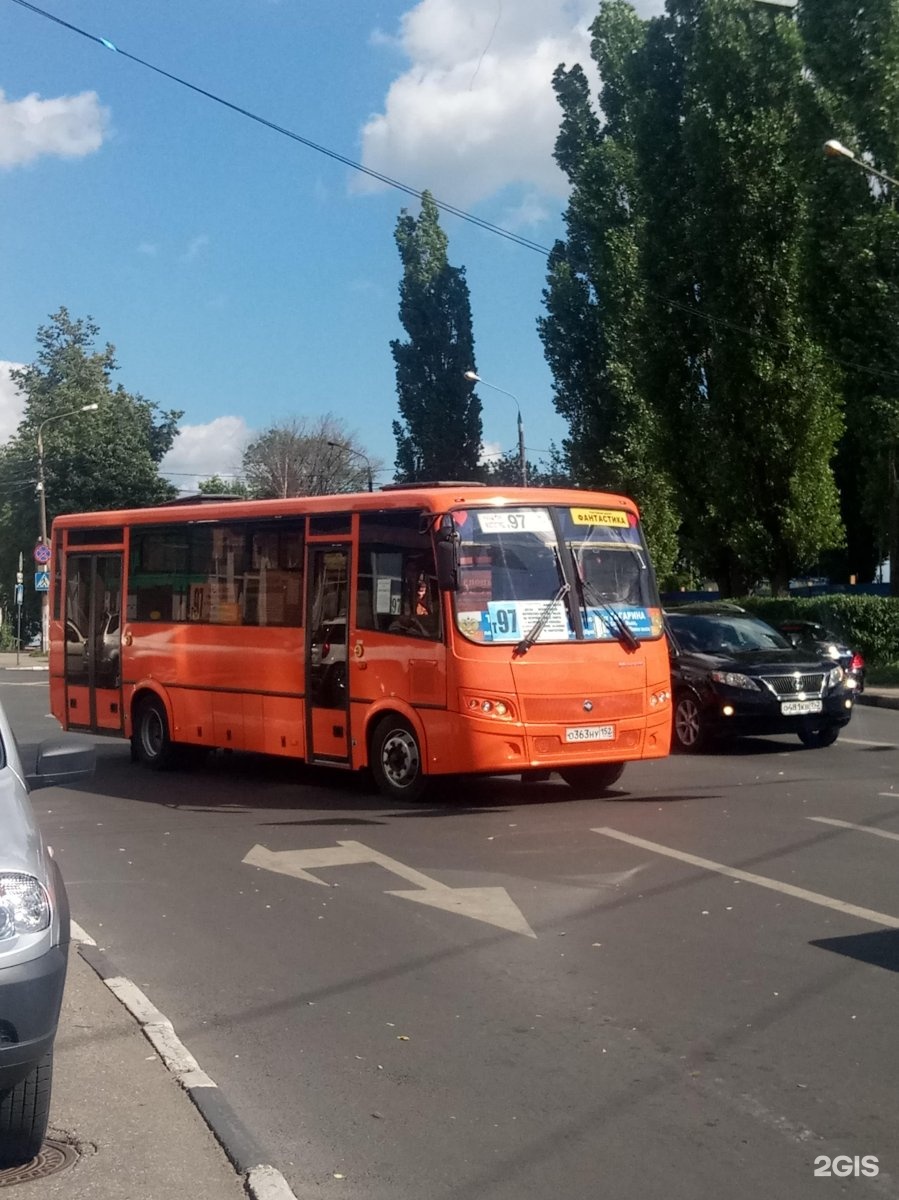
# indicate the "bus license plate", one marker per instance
pixel 590 733
pixel 799 708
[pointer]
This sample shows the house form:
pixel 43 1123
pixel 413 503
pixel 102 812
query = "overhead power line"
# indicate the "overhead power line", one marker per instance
pixel 245 112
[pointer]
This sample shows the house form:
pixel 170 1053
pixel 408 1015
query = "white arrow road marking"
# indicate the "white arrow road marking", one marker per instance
pixel 490 904
pixel 853 910
pixel 884 833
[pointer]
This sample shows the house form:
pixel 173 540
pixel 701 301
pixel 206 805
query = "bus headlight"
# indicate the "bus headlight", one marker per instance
pixel 658 698
pixel 488 706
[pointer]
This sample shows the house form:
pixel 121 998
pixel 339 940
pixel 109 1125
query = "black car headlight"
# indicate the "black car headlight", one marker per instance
pixel 734 679
pixel 24 905
pixel 834 677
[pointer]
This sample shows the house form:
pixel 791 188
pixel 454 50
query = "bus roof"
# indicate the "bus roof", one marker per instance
pixel 433 497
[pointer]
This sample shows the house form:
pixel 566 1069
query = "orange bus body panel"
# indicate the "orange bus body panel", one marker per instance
pixel 245 687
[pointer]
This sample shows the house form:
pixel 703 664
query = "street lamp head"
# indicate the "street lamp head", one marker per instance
pixel 89 407
pixel 835 149
pixel 472 377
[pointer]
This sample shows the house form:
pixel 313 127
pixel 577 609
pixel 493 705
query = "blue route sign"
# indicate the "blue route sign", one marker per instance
pixel 42 581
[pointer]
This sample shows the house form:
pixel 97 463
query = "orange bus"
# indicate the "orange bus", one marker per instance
pixel 419 631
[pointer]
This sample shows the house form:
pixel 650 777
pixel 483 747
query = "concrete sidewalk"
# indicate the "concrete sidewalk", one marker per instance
pixel 135 1133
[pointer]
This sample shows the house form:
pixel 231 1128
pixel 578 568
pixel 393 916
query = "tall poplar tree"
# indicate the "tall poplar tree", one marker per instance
pixel 852 51
pixel 595 299
pixel 439 435
pixel 688 292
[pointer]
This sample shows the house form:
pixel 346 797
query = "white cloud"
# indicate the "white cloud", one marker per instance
pixel 67 127
pixel 491 451
pixel 195 247
pixel 215 448
pixel 12 402
pixel 475 110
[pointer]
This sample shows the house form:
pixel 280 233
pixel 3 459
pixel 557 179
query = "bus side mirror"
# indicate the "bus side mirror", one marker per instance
pixel 447 555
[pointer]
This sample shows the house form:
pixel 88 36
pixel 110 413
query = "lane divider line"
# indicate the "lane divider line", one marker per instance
pixel 774 885
pixel 261 1181
pixel 884 833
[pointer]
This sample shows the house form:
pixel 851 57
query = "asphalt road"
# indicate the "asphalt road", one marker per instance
pixel 686 990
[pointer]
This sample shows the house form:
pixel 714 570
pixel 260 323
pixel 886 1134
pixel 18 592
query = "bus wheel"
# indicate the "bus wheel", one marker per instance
pixel 396 761
pixel 587 782
pixel 152 744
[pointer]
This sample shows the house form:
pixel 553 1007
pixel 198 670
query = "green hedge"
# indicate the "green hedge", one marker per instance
pixel 866 623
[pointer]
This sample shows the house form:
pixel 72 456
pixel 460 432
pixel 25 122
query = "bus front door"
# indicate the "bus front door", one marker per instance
pixel 92 622
pixel 327 694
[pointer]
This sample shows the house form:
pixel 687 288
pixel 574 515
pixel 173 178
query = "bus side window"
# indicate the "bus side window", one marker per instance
pixel 396 588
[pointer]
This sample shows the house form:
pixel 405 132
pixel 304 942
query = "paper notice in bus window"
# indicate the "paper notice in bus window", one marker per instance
pixel 382 596
pixel 515 520
pixel 615 517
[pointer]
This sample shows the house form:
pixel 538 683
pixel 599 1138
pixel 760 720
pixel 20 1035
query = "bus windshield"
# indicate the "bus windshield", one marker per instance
pixel 514 564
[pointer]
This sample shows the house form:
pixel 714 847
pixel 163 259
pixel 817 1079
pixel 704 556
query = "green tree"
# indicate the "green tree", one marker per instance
pixel 215 485
pixel 95 460
pixel 852 51
pixel 439 435
pixel 677 324
pixel 306 457
pixel 595 298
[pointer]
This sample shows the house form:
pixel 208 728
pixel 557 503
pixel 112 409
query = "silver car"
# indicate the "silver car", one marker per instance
pixel 34 941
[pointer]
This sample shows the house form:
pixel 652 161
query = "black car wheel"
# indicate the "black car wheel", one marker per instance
pixel 691 731
pixel 816 739
pixel 24 1112
pixel 587 782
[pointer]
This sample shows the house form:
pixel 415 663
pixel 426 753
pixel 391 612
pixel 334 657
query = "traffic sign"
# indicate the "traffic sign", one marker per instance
pixel 20 590
pixel 42 553
pixel 42 581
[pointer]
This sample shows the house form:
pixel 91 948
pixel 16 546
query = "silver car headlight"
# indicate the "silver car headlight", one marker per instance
pixel 735 680
pixel 24 905
pixel 834 676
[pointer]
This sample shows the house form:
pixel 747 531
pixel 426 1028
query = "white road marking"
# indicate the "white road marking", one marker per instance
pixel 852 910
pixel 490 904
pixel 866 742
pixel 78 935
pixel 158 1029
pixel 884 833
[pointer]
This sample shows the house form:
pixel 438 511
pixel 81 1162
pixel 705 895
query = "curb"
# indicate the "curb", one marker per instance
pixel 261 1181
pixel 877 701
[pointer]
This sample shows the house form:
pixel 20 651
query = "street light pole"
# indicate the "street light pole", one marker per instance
pixel 836 149
pixel 359 454
pixel 42 505
pixel 473 377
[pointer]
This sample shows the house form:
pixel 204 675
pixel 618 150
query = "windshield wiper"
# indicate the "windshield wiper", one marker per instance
pixel 626 635
pixel 539 625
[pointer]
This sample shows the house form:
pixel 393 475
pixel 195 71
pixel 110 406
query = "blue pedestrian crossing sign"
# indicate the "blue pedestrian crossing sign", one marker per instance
pixel 42 581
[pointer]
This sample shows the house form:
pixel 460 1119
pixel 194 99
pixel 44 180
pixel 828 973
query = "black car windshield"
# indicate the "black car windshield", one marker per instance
pixel 724 634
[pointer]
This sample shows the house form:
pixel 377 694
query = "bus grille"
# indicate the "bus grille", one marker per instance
pixel 569 710
pixel 785 686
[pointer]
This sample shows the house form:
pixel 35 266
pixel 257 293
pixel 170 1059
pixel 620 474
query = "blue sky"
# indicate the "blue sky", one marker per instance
pixel 245 278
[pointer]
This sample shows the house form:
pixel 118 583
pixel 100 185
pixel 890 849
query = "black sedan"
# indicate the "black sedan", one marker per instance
pixel 809 635
pixel 733 675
